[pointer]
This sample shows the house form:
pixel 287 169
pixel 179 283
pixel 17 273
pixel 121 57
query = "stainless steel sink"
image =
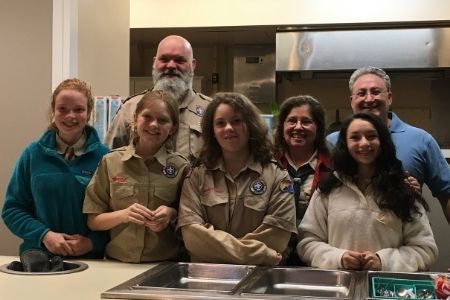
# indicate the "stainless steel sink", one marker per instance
pixel 181 279
pixel 301 282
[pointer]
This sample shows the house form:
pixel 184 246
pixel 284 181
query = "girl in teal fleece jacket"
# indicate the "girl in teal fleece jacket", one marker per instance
pixel 44 198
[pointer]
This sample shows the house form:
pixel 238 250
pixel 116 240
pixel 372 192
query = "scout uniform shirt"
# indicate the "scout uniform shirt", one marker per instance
pixel 123 178
pixel 70 152
pixel 304 185
pixel 188 141
pixel 259 197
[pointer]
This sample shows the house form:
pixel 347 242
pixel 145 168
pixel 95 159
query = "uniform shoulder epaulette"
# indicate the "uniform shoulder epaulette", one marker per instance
pixel 118 149
pixel 202 96
pixel 177 155
pixel 138 94
pixel 277 163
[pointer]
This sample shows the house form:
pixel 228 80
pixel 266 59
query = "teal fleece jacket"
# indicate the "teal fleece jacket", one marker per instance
pixel 46 193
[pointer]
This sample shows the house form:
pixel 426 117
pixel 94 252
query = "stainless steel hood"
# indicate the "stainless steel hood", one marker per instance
pixel 404 48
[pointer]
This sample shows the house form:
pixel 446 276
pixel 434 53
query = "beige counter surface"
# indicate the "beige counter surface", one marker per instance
pixel 88 284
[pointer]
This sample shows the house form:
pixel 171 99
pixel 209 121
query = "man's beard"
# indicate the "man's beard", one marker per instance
pixel 177 86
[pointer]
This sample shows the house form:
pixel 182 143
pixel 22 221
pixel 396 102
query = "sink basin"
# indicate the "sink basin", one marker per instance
pixel 202 277
pixel 69 267
pixel 176 278
pixel 305 282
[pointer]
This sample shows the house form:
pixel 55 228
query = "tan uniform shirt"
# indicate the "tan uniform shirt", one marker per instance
pixel 243 220
pixel 188 141
pixel 123 178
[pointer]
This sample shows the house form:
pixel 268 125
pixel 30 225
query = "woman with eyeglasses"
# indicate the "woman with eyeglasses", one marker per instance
pixel 300 147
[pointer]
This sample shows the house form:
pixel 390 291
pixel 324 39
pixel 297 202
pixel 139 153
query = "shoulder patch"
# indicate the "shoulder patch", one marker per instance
pixel 170 170
pixel 258 187
pixel 199 110
pixel 286 186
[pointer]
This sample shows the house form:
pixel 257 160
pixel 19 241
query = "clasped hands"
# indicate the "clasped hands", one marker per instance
pixel 156 220
pixel 353 260
pixel 67 244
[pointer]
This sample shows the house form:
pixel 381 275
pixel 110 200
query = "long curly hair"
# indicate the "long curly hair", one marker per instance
pixel 391 191
pixel 259 142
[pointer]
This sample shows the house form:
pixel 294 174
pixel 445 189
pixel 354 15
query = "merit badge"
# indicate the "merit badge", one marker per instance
pixel 170 171
pixel 258 187
pixel 286 186
pixel 199 110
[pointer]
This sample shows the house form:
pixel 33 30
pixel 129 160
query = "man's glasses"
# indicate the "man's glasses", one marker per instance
pixel 372 92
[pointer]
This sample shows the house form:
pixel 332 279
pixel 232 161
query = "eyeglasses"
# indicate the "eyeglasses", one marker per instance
pixel 373 92
pixel 304 122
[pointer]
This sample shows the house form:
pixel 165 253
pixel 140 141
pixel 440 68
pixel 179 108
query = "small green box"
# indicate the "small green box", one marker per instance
pixel 396 288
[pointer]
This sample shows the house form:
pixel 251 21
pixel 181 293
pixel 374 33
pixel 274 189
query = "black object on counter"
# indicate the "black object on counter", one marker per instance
pixel 36 260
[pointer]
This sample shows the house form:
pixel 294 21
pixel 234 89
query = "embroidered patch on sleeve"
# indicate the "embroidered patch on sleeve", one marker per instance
pixel 286 186
pixel 199 110
pixel 258 187
pixel 170 171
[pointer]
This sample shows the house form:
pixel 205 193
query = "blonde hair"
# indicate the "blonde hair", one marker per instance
pixel 171 105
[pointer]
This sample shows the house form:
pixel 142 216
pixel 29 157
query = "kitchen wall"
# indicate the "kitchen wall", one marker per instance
pixel 25 84
pixel 104 45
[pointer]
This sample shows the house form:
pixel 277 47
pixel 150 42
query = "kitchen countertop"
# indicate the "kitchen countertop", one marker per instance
pixel 100 276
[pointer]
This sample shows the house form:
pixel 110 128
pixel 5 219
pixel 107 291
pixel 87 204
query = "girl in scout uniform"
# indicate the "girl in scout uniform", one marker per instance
pixel 365 216
pixel 237 205
pixel 135 191
pixel 44 198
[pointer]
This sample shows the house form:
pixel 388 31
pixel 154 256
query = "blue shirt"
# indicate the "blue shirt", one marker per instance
pixel 420 155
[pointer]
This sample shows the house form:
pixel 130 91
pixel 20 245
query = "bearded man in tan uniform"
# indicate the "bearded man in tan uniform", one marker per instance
pixel 173 72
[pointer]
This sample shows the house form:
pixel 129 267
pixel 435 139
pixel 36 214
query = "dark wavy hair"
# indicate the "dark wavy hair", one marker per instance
pixel 391 192
pixel 259 142
pixel 317 113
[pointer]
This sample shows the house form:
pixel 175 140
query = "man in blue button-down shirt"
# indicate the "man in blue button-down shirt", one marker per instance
pixel 370 90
